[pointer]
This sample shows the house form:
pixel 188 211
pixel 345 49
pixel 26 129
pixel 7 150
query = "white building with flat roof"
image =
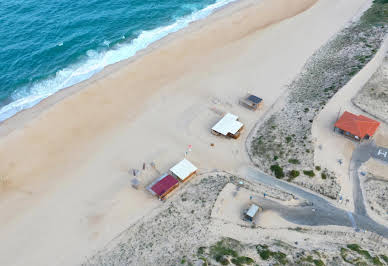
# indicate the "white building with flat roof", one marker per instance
pixel 251 212
pixel 183 170
pixel 228 126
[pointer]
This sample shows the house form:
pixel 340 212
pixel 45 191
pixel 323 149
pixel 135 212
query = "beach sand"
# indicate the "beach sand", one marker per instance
pixel 65 186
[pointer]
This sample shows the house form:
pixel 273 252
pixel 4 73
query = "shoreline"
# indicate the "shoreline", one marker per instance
pixel 112 55
pixel 24 116
pixel 71 159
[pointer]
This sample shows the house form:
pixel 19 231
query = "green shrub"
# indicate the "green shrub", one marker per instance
pixel 201 250
pixel 288 139
pixel 376 261
pixel 360 251
pixel 275 157
pixel 318 263
pixel 323 175
pixel 385 258
pixel 344 255
pixel 280 257
pixel 265 254
pixel 309 173
pixel 277 170
pixel 353 247
pixel 220 250
pixel 239 261
pixel 293 173
pixel 294 161
pixel 318 168
pixel 308 259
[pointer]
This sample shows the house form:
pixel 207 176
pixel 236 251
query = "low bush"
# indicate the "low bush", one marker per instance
pixel 293 174
pixel 280 257
pixel 294 161
pixel 201 250
pixel 309 173
pixel 385 258
pixel 376 261
pixel 319 263
pixel 323 175
pixel 265 254
pixel 360 251
pixel 318 168
pixel 277 170
pixel 239 261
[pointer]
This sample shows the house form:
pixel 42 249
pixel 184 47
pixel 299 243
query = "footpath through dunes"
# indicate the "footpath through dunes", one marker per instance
pixel 65 165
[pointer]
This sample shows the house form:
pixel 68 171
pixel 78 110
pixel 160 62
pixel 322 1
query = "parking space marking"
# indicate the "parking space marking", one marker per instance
pixel 381 153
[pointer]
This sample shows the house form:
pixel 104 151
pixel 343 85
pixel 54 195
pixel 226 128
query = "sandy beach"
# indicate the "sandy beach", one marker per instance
pixel 65 164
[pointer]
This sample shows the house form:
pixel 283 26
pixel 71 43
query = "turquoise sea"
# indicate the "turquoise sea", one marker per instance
pixel 48 45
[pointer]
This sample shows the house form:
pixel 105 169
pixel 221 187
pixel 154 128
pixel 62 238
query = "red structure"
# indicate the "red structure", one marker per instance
pixel 357 127
pixel 163 185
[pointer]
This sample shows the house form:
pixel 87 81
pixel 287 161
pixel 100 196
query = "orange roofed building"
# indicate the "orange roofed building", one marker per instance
pixel 356 127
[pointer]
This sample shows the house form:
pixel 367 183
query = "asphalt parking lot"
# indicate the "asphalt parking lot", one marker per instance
pixel 381 153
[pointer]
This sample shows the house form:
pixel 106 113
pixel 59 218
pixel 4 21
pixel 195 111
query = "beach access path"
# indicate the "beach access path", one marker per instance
pixel 320 212
pixel 64 163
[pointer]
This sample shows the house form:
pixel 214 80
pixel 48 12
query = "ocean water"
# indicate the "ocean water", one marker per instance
pixel 48 45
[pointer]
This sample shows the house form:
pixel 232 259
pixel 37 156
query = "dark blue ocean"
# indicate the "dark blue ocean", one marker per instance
pixel 48 45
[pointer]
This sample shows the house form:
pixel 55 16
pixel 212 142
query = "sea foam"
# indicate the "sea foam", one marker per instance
pixel 96 61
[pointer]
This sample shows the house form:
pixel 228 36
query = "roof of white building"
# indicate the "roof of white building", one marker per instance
pixel 228 124
pixel 183 169
pixel 252 210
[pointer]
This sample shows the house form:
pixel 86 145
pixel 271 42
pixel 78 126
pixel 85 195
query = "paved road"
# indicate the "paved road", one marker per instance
pixel 325 213
pixel 361 154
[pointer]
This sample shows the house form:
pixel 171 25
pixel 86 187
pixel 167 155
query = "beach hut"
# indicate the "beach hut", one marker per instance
pixel 251 212
pixel 251 101
pixel 357 127
pixel 162 186
pixel 228 126
pixel 183 170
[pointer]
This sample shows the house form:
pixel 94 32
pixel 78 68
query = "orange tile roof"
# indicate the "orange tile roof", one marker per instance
pixel 357 125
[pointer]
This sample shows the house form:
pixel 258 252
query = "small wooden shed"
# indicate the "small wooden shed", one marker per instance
pixel 251 212
pixel 251 101
pixel 162 186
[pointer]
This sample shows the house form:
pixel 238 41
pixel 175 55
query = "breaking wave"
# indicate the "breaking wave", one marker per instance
pixel 96 61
